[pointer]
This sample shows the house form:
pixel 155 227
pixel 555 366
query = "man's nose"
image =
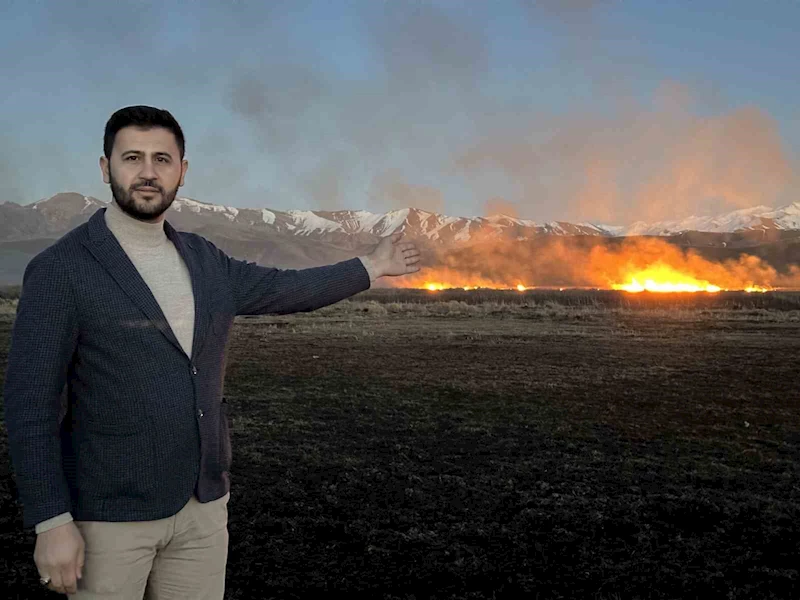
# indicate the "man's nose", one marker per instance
pixel 148 170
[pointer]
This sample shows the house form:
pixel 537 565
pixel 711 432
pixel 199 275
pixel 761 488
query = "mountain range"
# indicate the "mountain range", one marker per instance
pixel 297 238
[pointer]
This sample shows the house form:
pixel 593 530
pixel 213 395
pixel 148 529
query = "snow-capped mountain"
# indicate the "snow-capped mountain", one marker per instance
pixel 412 221
pixel 303 238
pixel 746 219
pixel 55 215
pixel 436 226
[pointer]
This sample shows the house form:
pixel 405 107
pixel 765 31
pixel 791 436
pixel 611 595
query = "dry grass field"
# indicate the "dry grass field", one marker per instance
pixel 410 445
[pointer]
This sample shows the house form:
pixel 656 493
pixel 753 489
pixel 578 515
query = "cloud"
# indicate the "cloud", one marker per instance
pixel 389 191
pixel 334 136
pixel 325 183
pixel 275 98
pixel 500 206
pixel 570 13
pixel 640 162
pixel 423 47
pixel 391 102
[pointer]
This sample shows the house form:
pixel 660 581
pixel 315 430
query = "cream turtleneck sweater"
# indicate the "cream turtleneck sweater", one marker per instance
pixel 165 273
pixel 161 267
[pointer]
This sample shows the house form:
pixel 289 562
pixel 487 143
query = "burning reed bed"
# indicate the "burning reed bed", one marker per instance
pixel 773 300
pixel 432 446
pixel 572 305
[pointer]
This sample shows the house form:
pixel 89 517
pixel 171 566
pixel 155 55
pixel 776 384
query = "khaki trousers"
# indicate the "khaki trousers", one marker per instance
pixel 180 557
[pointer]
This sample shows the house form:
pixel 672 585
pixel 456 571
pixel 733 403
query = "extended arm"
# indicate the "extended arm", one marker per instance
pixel 267 290
pixel 263 290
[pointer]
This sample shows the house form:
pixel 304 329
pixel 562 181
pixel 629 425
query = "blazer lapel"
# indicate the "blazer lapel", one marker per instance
pixel 106 249
pixel 197 274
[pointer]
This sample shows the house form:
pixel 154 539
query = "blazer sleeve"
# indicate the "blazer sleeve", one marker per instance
pixel 261 290
pixel 43 341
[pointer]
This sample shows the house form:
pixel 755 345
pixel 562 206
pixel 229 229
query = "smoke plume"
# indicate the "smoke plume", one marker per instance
pixel 644 163
pixel 548 104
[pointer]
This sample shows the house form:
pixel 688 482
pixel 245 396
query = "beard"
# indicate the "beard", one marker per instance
pixel 143 210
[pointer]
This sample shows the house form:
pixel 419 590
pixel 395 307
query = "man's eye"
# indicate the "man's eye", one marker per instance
pixel 131 157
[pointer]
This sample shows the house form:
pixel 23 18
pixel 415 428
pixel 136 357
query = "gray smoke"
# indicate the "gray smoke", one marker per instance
pixel 422 113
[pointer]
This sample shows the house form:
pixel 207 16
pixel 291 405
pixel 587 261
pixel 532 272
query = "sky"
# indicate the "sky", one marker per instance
pixel 583 110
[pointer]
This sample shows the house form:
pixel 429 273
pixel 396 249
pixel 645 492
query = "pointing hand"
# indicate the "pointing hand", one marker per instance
pixel 393 257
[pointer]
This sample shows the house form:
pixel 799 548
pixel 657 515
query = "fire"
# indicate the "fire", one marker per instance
pixel 632 266
pixel 438 286
pixel 663 278
pixel 443 278
pixel 645 281
pixel 650 285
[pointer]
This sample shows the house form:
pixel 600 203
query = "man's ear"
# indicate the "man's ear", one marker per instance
pixel 104 169
pixel 184 168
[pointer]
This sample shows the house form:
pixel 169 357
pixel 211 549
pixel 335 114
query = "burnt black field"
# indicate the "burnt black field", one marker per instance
pixel 581 444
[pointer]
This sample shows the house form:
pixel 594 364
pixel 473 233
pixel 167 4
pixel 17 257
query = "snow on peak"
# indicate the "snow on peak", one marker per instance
pixel 195 206
pixel 786 217
pixel 393 220
pixel 434 225
pixel 612 230
pixel 498 220
pixel 358 221
pixel 463 234
pixel 192 205
pixel 792 209
pixel 267 216
pixel 306 221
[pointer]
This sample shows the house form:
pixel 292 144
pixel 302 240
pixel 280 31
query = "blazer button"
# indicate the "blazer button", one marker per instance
pixel 200 413
pixel 194 370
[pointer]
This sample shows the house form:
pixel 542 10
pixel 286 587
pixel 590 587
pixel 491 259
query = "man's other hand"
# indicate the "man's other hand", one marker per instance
pixel 59 555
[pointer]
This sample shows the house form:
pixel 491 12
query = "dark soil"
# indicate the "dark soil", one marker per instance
pixel 539 452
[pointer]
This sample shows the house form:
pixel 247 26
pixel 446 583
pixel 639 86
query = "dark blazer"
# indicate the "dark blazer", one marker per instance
pixel 145 427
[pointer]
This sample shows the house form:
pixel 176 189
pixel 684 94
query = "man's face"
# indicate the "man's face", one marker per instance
pixel 145 171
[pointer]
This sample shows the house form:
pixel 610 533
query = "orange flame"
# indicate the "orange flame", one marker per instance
pixel 439 286
pixel 443 278
pixel 663 278
pixel 633 265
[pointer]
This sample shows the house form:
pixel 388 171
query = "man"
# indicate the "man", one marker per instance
pixel 128 319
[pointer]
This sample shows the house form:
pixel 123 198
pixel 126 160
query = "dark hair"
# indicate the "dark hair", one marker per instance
pixel 145 117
